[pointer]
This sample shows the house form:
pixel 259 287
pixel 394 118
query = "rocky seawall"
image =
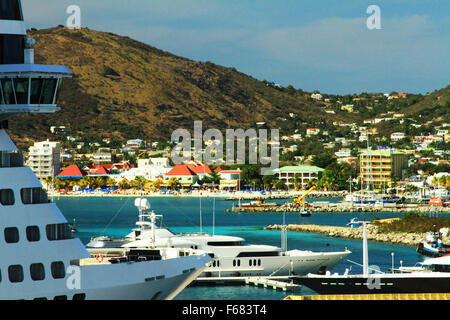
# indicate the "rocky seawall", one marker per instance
pixel 285 195
pixel 345 208
pixel 373 234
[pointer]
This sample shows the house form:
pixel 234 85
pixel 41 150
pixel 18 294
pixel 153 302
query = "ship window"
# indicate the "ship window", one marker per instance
pixel 33 233
pixel 224 243
pixel 79 296
pixel 10 10
pixel 7 197
pixel 156 295
pixel 8 91
pixel 63 297
pixel 21 88
pixel 58 270
pixel 2 100
pixel 15 273
pixel 60 231
pixel 33 195
pixel 48 91
pixel 36 90
pixel 37 271
pixel 11 235
pixel 258 254
pixel 11 48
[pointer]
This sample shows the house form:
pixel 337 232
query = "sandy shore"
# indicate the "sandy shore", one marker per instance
pixel 242 195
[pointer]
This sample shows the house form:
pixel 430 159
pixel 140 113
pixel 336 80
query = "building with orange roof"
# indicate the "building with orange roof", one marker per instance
pixel 71 171
pixel 185 175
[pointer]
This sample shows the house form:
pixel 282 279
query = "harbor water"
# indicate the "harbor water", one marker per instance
pixel 116 216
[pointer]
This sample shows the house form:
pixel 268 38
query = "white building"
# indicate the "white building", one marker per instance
pixel 150 162
pixel 45 159
pixel 103 155
pixel 397 136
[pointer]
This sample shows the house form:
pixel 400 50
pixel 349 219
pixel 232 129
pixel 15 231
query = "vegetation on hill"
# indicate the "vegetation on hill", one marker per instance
pixel 126 89
pixel 414 222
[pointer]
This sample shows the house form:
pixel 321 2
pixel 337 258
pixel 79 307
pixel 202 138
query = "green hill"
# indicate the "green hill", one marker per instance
pixel 126 89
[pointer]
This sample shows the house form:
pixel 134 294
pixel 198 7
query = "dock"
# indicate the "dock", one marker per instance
pixel 384 296
pixel 285 283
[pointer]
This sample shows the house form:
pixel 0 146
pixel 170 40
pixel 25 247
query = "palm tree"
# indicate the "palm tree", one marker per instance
pixel 174 183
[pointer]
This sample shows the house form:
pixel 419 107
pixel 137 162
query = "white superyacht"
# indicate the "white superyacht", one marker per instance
pixel 232 258
pixel 40 258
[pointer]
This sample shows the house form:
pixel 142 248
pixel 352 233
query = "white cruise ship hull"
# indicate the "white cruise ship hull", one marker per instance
pixel 147 280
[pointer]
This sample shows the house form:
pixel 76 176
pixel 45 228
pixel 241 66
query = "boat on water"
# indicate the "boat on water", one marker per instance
pixel 429 276
pixel 354 223
pixel 231 257
pixel 305 213
pixel 369 197
pixel 258 203
pixel 432 245
pixel 41 259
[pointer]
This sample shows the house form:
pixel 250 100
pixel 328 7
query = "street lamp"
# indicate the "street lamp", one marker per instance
pixel 392 254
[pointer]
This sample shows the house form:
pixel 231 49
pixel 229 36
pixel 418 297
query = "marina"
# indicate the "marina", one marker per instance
pixel 116 217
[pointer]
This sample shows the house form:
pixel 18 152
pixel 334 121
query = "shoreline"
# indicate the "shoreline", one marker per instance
pixel 231 196
pixel 373 234
pixel 341 208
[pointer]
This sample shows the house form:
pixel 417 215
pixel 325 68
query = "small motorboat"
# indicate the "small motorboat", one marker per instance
pixel 305 213
pixel 354 223
pixel 433 246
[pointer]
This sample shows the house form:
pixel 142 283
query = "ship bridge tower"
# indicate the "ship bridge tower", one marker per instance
pixel 25 87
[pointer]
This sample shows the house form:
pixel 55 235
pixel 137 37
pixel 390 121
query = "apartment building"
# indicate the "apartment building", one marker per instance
pixel 45 159
pixel 378 167
pixel 292 175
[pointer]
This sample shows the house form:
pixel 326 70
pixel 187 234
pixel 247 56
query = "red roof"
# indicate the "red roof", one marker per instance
pixel 100 170
pixel 71 171
pixel 199 168
pixel 180 170
pixel 218 169
pixel 230 171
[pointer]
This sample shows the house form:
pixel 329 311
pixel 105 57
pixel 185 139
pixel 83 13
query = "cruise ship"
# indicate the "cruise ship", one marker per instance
pixel 40 258
pixel 231 256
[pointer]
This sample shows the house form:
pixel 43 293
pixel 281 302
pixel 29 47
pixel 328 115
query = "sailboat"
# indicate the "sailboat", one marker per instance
pixel 41 259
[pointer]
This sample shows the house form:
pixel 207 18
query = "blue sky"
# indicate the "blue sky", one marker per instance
pixel 312 45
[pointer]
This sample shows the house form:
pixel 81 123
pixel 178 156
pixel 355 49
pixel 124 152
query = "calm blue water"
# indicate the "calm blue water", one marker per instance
pixel 116 217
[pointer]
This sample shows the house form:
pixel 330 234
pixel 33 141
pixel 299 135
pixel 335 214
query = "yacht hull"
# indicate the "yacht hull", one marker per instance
pixel 364 285
pixel 295 264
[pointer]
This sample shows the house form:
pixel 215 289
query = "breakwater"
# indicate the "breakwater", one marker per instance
pixel 373 233
pixel 242 195
pixel 329 207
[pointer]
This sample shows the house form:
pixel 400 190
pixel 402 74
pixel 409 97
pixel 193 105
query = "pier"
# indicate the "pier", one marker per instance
pixel 285 283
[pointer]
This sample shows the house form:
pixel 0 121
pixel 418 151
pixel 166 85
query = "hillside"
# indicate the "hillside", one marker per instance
pixel 433 106
pixel 127 89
